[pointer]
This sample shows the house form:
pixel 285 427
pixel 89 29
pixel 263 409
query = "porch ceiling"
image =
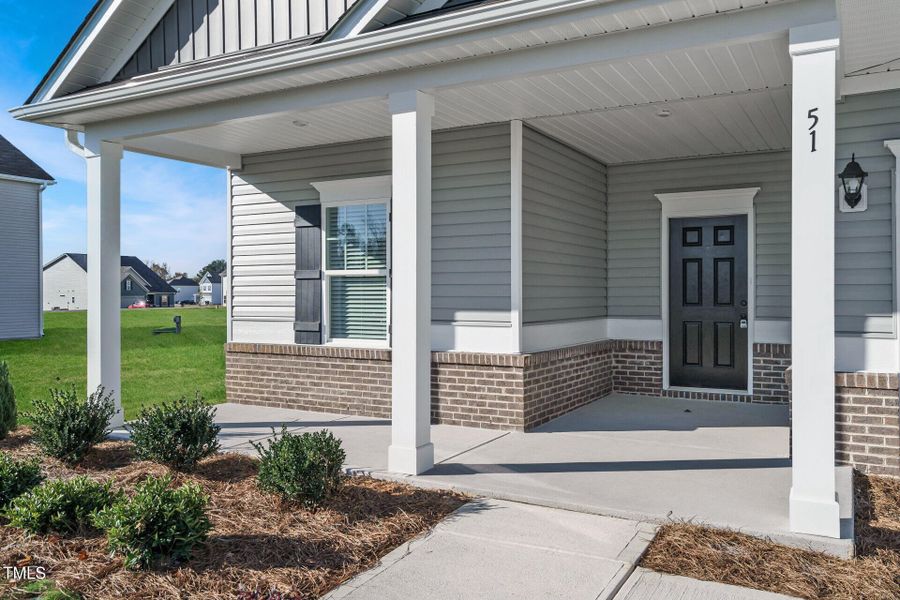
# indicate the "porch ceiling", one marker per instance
pixel 723 99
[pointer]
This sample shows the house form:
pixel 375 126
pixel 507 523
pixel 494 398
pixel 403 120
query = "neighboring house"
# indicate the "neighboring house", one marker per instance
pixel 22 182
pixel 186 289
pixel 210 290
pixel 558 199
pixel 66 283
pixel 224 276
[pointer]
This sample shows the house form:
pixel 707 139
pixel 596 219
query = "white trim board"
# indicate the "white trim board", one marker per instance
pixel 537 337
pixel 516 292
pixel 708 203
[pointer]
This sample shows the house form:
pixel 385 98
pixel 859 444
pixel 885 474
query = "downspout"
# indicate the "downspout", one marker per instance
pixel 73 144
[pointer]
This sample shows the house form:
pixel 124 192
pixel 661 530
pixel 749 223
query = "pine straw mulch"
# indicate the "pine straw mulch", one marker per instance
pixel 257 544
pixel 739 559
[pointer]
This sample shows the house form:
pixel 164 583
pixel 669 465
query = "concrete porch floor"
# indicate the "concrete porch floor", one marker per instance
pixel 644 458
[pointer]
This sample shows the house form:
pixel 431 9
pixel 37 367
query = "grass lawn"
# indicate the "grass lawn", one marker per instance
pixel 155 368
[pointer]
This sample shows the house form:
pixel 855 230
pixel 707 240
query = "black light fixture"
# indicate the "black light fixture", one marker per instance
pixel 852 179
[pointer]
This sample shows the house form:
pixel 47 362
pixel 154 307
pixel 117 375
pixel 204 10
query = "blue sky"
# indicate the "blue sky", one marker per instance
pixel 171 212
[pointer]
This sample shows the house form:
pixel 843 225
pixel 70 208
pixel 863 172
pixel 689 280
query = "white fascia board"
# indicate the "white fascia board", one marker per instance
pixel 77 51
pixel 520 16
pixel 354 189
pixel 185 152
pixel 356 19
pixel 33 180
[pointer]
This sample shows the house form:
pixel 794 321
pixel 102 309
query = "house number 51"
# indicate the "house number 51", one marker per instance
pixel 811 115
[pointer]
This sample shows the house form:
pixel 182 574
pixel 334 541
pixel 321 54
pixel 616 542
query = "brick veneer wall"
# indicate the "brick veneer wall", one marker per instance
pixel 638 367
pixel 867 407
pixel 559 381
pixel 478 390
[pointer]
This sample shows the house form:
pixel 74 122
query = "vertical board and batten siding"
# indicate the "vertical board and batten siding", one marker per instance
pixel 470 222
pixel 20 260
pixel 197 29
pixel 563 232
pixel 634 279
pixel 864 244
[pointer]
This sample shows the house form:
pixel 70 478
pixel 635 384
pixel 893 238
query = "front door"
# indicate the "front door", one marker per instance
pixel 708 315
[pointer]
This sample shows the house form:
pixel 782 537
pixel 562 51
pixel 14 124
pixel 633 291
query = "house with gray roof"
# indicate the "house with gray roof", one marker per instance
pixel 22 181
pixel 65 283
pixel 492 213
pixel 186 289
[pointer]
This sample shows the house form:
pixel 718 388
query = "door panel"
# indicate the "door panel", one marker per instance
pixel 708 302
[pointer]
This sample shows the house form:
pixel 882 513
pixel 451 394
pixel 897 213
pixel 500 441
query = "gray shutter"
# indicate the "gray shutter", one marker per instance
pixel 308 303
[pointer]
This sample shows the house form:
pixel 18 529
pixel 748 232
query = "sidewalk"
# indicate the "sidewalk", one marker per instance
pixel 503 550
pixel 649 585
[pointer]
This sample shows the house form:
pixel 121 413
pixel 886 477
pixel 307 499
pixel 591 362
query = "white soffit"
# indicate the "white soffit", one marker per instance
pixel 723 100
pixel 870 36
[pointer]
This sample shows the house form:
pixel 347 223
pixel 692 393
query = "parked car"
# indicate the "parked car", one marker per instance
pixel 139 304
pixel 187 303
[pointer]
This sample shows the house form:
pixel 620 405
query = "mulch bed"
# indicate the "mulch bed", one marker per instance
pixel 739 559
pixel 257 544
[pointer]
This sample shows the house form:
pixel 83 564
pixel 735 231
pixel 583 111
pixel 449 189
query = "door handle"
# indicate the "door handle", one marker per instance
pixel 744 322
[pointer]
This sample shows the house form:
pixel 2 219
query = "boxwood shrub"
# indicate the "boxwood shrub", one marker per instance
pixel 178 434
pixel 67 427
pixel 63 506
pixel 159 525
pixel 8 414
pixel 17 477
pixel 304 468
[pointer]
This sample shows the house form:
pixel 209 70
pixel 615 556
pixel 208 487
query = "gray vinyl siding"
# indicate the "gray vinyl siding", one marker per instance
pixel 20 260
pixel 864 241
pixel 563 232
pixel 197 29
pixel 470 221
pixel 634 226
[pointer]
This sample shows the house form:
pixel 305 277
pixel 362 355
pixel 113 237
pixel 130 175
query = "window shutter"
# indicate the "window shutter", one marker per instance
pixel 308 275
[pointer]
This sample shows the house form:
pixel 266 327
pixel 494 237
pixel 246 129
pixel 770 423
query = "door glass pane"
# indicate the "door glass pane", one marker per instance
pixel 358 308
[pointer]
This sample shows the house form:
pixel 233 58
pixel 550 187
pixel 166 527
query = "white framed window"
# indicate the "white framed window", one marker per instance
pixel 356 261
pixel 127 285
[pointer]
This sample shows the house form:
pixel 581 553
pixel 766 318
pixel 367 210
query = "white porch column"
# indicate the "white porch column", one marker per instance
pixel 103 250
pixel 813 504
pixel 411 451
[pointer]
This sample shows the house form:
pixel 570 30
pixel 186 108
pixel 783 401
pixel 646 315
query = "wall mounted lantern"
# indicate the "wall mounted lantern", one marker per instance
pixel 853 179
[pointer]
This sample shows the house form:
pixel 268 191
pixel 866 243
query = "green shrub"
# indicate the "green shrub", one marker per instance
pixel 7 402
pixel 305 467
pixel 177 434
pixel 17 477
pixel 159 525
pixel 66 427
pixel 63 506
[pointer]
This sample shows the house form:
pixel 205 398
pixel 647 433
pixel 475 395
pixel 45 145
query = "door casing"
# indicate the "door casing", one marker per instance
pixel 708 203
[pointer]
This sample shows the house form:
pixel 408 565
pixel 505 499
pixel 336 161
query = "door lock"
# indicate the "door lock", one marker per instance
pixel 743 321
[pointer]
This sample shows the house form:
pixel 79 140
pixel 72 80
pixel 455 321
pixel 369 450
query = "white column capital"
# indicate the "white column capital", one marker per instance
pixel 408 101
pixel 818 37
pixel 96 148
pixel 893 146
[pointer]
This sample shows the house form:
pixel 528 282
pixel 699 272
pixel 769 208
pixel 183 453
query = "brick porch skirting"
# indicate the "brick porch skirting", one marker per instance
pixel 520 392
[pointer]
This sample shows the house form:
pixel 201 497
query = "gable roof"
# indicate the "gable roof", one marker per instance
pixel 129 272
pixel 120 39
pixel 183 282
pixel 156 283
pixel 13 162
pixel 212 277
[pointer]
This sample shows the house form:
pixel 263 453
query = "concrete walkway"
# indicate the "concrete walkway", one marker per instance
pixel 649 585
pixel 503 550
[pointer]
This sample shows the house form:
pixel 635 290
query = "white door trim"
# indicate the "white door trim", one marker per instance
pixel 708 203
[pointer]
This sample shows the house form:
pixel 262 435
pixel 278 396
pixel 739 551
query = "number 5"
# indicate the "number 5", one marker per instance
pixel 812 128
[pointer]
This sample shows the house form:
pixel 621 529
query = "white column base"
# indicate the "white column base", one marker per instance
pixel 815 516
pixel 411 461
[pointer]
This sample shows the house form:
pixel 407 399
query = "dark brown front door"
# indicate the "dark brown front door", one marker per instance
pixel 708 302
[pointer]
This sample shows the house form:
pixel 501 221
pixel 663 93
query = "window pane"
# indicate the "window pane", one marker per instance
pixel 358 308
pixel 356 237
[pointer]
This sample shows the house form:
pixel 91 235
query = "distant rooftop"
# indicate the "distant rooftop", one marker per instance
pixel 13 162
